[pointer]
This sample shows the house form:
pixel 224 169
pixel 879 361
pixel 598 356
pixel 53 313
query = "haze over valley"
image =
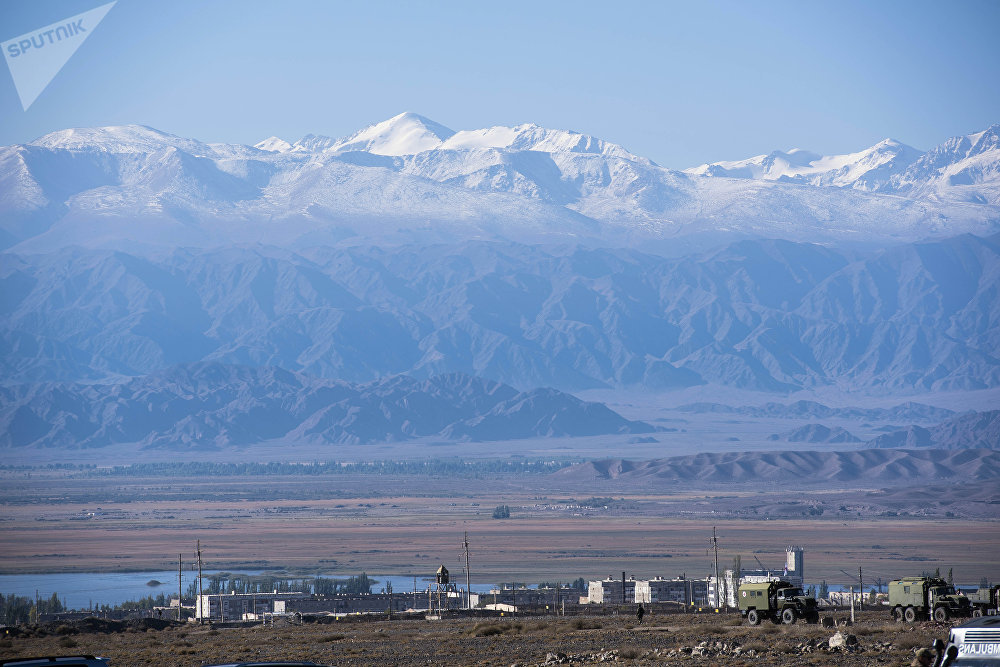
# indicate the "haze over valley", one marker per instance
pixel 510 315
pixel 376 288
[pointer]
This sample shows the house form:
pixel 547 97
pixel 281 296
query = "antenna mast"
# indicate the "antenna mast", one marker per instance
pixel 468 574
pixel 180 585
pixel 201 591
pixel 718 579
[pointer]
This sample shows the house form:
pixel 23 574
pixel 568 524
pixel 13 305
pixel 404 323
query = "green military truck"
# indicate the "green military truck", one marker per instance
pixel 778 601
pixel 985 601
pixel 922 598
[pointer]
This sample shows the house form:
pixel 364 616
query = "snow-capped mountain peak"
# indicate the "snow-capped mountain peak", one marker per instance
pixel 409 172
pixel 274 145
pixel 405 134
pixel 409 134
pixel 532 137
pixel 870 169
pixel 117 139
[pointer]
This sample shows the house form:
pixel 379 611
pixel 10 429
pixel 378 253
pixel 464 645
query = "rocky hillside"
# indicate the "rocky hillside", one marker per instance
pixel 967 431
pixel 816 433
pixel 211 405
pixel 876 466
pixel 768 315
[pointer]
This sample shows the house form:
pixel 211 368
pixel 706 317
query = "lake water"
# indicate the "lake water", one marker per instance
pixel 81 590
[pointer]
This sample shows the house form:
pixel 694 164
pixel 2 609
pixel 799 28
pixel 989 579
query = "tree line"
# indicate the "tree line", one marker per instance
pixel 15 609
pixel 225 582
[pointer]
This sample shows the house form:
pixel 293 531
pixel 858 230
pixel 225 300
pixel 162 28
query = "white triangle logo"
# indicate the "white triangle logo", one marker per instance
pixel 35 58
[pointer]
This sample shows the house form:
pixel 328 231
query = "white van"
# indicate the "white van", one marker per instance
pixel 977 641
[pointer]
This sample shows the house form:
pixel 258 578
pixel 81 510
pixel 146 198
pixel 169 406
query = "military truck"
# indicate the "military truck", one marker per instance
pixel 778 601
pixel 985 601
pixel 924 598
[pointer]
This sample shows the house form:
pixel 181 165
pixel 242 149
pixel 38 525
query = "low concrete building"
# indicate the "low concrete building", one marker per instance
pixel 236 606
pixel 681 590
pixel 346 604
pixel 525 597
pixel 611 591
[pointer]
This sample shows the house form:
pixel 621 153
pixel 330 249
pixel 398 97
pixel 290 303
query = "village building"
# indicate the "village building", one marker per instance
pixel 681 590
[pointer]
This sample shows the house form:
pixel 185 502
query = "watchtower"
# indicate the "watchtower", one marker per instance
pixel 442 580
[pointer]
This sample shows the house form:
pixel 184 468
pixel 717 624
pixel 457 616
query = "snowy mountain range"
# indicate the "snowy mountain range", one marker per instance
pixel 409 248
pixel 412 178
pixel 962 168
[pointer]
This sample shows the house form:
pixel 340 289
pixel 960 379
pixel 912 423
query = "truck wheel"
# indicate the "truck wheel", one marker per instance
pixel 788 616
pixel 753 618
pixel 941 614
pixel 910 614
pixel 897 614
pixel 813 618
pixel 977 613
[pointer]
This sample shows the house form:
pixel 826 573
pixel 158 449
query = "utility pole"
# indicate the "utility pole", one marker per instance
pixel 852 604
pixel 718 579
pixel 180 586
pixel 623 588
pixel 201 590
pixel 861 590
pixel 468 574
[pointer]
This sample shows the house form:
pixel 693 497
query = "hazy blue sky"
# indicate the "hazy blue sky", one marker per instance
pixel 679 82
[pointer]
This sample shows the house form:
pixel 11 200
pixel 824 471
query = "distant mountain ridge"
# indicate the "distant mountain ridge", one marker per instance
pixel 816 433
pixel 909 411
pixel 211 406
pixel 408 177
pixel 967 431
pixel 767 315
pixel 794 469
pixel 888 166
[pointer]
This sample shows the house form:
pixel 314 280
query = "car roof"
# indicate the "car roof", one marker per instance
pixel 65 660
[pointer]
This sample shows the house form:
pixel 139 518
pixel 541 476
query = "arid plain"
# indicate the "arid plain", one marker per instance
pixel 408 525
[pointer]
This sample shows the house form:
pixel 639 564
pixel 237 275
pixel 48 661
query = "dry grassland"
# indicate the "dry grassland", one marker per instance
pixel 667 639
pixel 412 535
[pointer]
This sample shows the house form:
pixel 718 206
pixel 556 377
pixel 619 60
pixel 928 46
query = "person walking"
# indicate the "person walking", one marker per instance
pixel 639 613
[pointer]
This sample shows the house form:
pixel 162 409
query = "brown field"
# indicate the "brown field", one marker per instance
pixel 645 535
pixel 662 639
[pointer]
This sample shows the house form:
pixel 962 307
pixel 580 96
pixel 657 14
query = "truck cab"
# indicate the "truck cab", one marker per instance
pixel 985 601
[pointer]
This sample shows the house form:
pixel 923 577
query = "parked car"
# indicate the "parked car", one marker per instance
pixel 57 661
pixel 975 643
